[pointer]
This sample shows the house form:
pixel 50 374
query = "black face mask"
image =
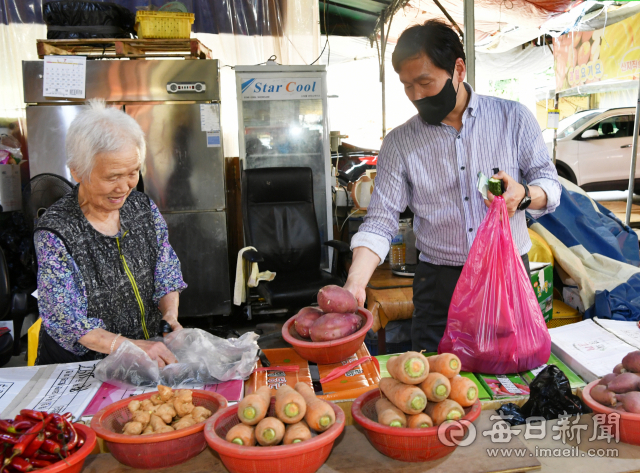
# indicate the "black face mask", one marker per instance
pixel 435 108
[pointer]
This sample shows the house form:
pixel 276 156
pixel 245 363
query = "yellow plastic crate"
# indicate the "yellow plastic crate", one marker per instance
pixel 165 25
pixel 563 315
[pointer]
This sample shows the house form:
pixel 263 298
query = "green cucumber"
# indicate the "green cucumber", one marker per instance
pixel 495 186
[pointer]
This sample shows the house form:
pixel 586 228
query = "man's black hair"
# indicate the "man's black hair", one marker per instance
pixel 434 38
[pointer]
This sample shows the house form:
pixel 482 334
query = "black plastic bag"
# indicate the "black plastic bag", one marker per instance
pixel 550 398
pixel 73 19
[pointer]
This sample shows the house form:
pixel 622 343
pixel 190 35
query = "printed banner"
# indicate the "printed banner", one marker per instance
pixel 585 57
pixel 294 88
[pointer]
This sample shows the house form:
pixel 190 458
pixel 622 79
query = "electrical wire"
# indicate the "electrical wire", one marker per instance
pixel 326 30
pixel 347 219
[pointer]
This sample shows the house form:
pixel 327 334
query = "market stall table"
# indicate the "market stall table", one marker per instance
pixel 389 297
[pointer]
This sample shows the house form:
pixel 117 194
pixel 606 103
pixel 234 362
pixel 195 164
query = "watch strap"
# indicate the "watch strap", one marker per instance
pixel 526 200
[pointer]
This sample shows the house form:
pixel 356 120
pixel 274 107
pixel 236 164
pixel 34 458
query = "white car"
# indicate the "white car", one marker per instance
pixel 594 149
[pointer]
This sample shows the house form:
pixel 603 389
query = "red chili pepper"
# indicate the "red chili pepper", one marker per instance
pixel 50 446
pixel 40 455
pixel 36 463
pixel 29 436
pixel 80 442
pixel 31 414
pixel 73 441
pixel 21 464
pixel 8 438
pixel 7 427
pixel 67 415
pixel 23 425
pixel 58 422
pixel 34 445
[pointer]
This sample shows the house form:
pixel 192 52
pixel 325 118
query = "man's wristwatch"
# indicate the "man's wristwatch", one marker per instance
pixel 526 200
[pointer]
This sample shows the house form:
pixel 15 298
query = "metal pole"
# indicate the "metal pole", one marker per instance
pixel 556 104
pixel 634 156
pixel 383 48
pixel 470 42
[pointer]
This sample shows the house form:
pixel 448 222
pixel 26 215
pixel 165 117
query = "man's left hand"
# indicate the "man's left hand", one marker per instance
pixel 513 193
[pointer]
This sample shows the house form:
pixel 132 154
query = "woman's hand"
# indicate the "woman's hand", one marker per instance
pixel 169 308
pixel 172 320
pixel 157 351
pixel 358 291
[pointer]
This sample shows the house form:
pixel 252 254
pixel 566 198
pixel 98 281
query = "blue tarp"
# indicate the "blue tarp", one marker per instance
pixel 579 222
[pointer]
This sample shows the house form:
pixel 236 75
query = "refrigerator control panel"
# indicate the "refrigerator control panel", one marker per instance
pixel 178 87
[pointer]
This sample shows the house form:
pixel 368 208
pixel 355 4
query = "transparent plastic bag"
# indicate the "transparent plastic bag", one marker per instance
pixel 495 324
pixel 202 359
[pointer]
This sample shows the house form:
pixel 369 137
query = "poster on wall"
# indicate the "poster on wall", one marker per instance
pixel 610 53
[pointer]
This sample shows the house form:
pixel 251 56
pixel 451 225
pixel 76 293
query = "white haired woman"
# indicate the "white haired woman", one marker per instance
pixel 106 270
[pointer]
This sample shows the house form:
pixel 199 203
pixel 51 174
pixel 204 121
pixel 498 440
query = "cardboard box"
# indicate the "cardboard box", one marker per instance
pixel 287 367
pixel 541 276
pixel 504 386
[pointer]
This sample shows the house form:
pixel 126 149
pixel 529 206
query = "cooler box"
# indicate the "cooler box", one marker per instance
pixel 287 367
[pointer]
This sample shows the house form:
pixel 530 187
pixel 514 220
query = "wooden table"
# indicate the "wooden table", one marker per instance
pixel 352 453
pixel 389 297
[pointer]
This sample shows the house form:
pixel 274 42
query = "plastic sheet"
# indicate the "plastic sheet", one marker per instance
pixel 73 19
pixel 202 359
pixel 495 324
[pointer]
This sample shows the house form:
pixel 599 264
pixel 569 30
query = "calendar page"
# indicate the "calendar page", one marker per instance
pixel 64 76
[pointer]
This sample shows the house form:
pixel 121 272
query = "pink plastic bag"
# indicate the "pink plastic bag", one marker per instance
pixel 495 324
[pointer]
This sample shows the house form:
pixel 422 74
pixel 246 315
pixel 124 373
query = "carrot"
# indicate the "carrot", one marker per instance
pixel 295 433
pixel 444 411
pixel 269 431
pixel 320 415
pixel 409 399
pixel 242 435
pixel 254 407
pixel 448 364
pixel 290 405
pixel 463 391
pixel 419 421
pixel 409 368
pixel 436 387
pixel 390 415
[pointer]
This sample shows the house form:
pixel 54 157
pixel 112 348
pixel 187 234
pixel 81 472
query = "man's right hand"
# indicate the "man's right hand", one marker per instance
pixel 362 267
pixel 157 351
pixel 358 291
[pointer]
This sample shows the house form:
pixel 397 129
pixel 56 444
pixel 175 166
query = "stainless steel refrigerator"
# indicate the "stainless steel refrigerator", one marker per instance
pixel 184 168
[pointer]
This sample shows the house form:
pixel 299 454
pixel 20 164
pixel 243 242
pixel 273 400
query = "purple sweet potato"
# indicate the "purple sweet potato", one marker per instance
pixel 305 319
pixel 334 326
pixel 334 299
pixel 607 379
pixel 630 401
pixel 631 362
pixel 601 394
pixel 623 383
pixel 619 369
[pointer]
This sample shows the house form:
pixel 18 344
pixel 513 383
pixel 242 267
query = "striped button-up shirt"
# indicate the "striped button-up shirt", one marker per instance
pixel 433 170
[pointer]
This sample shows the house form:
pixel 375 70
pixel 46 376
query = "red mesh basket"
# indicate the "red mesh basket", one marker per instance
pixel 155 450
pixel 409 445
pixel 303 457
pixel 74 463
pixel 327 353
pixel 626 427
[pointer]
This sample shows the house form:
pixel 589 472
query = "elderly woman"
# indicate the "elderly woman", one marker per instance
pixel 106 270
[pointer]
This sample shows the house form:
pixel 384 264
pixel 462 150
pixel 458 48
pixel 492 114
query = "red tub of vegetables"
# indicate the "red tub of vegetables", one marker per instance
pixel 331 332
pixel 38 441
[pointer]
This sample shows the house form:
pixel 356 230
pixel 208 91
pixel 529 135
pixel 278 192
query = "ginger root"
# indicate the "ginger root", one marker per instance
pixel 143 417
pixel 134 406
pixel 162 430
pixel 166 412
pixel 156 399
pixel 132 428
pixel 156 423
pixel 165 392
pixel 186 421
pixel 148 430
pixel 200 414
pixel 183 403
pixel 147 406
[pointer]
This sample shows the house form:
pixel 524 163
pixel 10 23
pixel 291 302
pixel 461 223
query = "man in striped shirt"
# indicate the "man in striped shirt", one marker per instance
pixel 431 163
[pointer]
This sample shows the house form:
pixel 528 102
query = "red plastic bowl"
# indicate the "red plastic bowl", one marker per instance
pixel 75 462
pixel 628 423
pixel 303 457
pixel 155 450
pixel 326 353
pixel 408 445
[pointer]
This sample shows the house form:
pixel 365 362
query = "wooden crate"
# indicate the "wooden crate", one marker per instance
pixel 108 48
